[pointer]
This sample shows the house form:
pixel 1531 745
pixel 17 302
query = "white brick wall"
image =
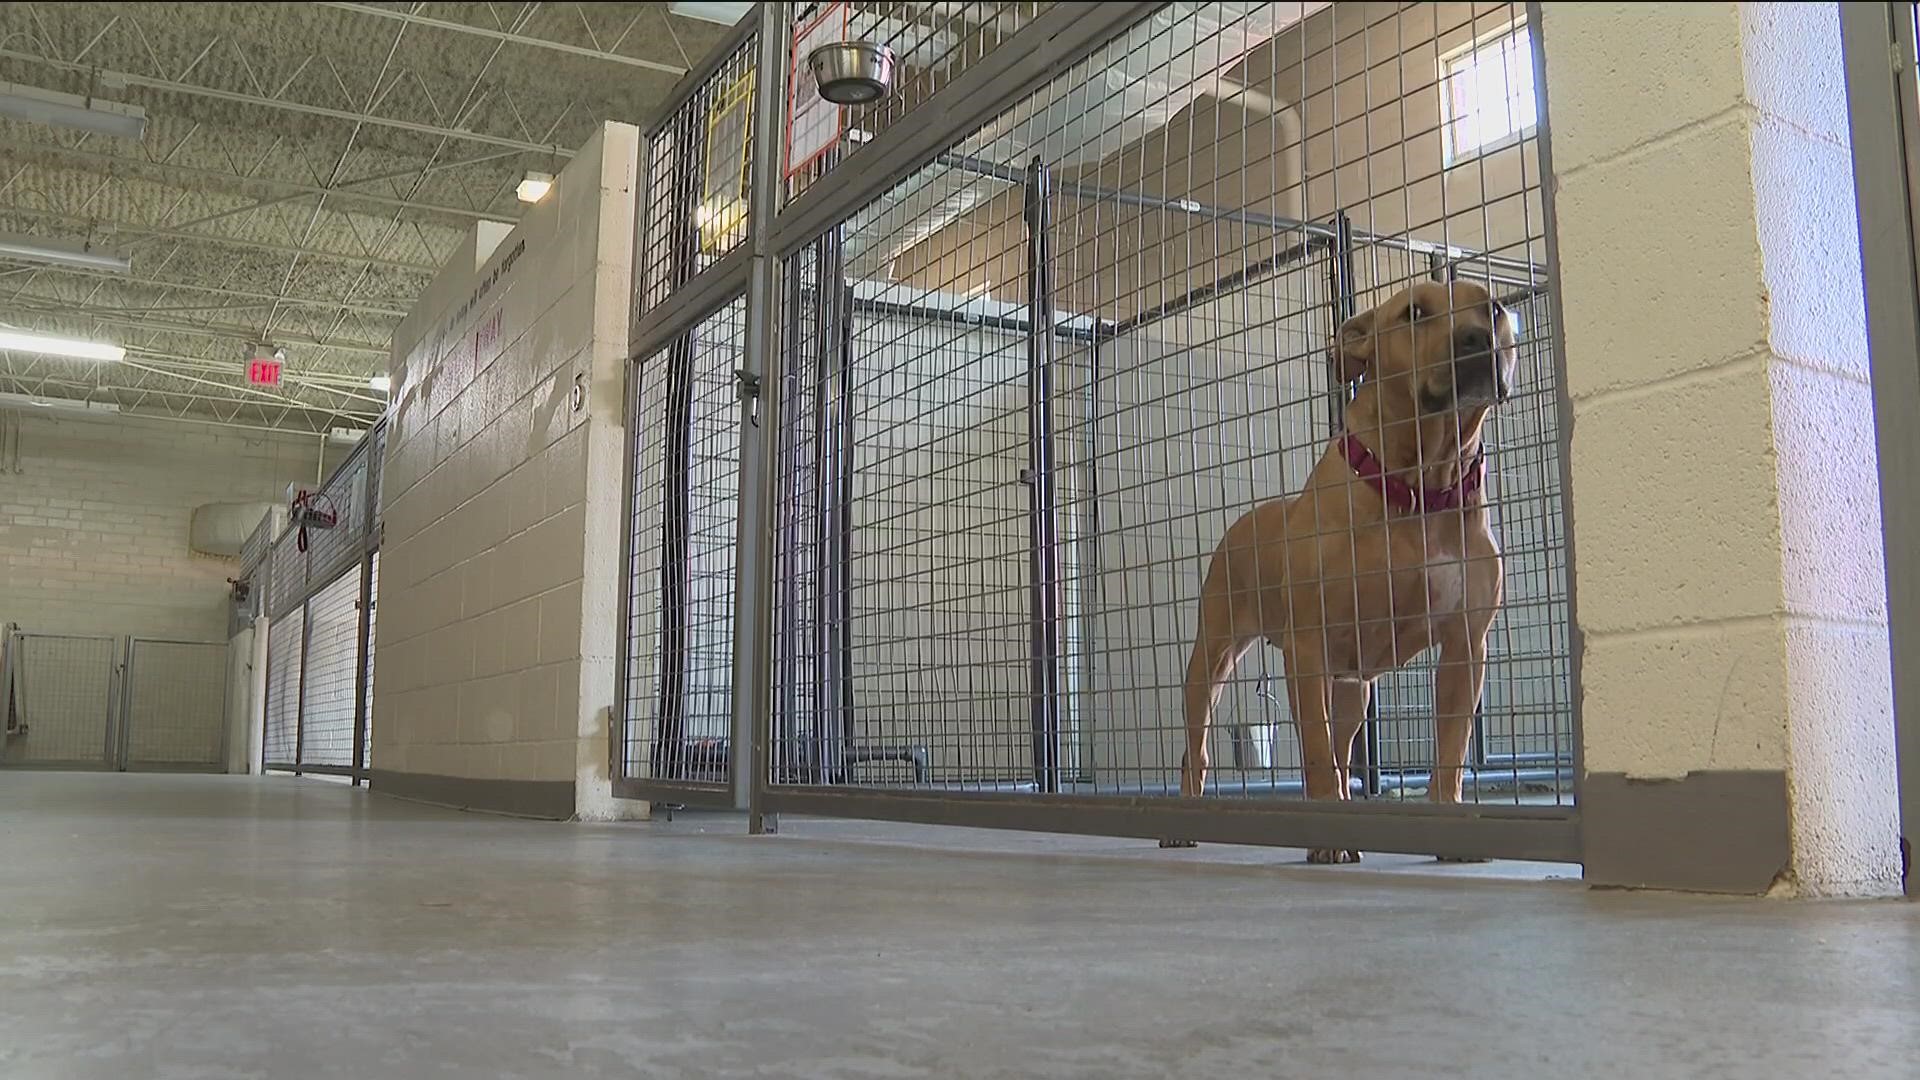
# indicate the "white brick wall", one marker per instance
pixel 494 657
pixel 94 520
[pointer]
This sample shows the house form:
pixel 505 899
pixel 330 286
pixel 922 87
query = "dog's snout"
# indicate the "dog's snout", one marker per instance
pixel 1472 341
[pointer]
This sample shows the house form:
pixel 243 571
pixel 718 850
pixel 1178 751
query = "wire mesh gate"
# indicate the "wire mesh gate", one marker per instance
pixel 318 588
pixel 1024 385
pixel 100 702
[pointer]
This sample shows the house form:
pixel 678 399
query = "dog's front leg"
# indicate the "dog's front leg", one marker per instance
pixel 1310 692
pixel 1456 697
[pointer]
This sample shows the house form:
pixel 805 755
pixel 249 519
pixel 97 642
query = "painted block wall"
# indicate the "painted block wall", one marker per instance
pixel 494 659
pixel 1730 567
pixel 95 515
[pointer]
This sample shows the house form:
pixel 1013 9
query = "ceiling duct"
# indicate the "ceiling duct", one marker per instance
pixel 1164 65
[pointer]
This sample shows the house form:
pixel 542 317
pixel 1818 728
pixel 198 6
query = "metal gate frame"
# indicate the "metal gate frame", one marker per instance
pixel 123 738
pixel 1056 38
pixel 16 683
pixel 281 595
pixel 1880 50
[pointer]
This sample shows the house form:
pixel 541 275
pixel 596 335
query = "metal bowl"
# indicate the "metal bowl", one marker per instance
pixel 852 72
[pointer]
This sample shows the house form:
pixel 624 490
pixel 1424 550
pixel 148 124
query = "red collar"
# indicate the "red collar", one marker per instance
pixel 1403 496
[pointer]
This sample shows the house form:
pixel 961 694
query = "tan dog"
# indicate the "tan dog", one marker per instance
pixel 1386 552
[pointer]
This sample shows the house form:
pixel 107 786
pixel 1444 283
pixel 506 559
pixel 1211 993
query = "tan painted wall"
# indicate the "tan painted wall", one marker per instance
pixel 494 655
pixel 1731 577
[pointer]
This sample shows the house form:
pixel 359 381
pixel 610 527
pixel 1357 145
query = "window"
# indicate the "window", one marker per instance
pixel 1488 94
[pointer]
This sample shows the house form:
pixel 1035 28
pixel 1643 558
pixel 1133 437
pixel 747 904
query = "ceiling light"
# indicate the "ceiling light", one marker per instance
pixel 49 345
pixel 711 12
pixel 59 404
pixel 534 187
pixel 382 383
pixel 60 253
pixel 32 104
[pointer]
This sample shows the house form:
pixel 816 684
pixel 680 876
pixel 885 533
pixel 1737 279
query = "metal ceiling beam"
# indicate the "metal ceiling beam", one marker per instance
pixel 212 290
pixel 224 332
pixel 502 35
pixel 129 78
pixel 244 183
pixel 136 229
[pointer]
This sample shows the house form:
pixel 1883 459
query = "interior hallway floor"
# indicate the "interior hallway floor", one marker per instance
pixel 172 926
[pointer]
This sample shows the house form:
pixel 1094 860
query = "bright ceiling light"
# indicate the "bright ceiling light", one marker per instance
pixel 534 187
pixel 39 249
pixel 711 12
pixel 382 383
pixel 37 106
pixel 49 345
pixel 58 404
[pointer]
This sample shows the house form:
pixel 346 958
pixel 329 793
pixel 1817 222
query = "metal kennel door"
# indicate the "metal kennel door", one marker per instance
pixel 173 706
pixel 63 702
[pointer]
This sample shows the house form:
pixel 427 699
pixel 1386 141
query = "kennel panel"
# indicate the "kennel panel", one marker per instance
pixel 699 165
pixel 932 45
pixel 62 687
pixel 331 673
pixel 683 516
pixel 286 646
pixel 1312 161
pixel 175 705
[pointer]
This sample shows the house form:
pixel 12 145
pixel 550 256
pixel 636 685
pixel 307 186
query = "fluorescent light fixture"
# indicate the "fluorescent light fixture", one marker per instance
pixel 49 345
pixel 346 436
pixel 40 249
pixel 58 404
pixel 37 106
pixel 534 187
pixel 382 383
pixel 727 14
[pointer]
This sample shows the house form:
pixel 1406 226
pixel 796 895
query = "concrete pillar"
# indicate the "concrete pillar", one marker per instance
pixel 1736 709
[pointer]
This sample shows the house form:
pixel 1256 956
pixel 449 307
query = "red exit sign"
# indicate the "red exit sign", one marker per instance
pixel 263 372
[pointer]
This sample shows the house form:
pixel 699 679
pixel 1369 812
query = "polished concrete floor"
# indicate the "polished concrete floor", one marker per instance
pixel 159 926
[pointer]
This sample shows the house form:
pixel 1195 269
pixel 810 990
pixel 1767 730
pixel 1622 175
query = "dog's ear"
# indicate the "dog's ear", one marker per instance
pixel 1353 347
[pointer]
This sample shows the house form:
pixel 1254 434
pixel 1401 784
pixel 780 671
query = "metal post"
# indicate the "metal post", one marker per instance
pixel 1044 538
pixel 1346 304
pixel 760 449
pixel 365 635
pixel 1883 106
pixel 118 742
pixel 300 698
pixel 670 724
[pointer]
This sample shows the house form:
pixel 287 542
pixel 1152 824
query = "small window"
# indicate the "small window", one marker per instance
pixel 1488 93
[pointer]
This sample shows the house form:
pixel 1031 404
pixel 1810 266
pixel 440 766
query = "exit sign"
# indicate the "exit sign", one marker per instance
pixel 263 372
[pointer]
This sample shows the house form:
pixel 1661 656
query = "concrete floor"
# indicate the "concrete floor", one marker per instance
pixel 213 927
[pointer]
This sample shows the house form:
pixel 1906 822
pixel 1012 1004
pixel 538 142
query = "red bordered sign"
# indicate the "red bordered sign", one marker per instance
pixel 814 125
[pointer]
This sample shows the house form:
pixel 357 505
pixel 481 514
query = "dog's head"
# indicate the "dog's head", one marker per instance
pixel 1447 345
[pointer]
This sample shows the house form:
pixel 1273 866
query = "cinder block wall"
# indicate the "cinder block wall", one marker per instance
pixel 494 661
pixel 95 516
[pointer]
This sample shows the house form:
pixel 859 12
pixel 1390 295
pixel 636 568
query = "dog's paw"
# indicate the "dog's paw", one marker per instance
pixel 1332 856
pixel 1178 844
pixel 1459 859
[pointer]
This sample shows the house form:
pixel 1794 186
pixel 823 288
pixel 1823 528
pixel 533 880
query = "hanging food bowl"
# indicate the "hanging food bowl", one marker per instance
pixel 852 72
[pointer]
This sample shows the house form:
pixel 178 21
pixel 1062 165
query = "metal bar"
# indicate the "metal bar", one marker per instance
pixel 123 164
pixel 120 701
pixel 131 228
pixel 502 35
pixel 129 78
pixel 760 447
pixel 705 293
pixel 1883 107
pixel 1544 834
pixel 843 442
pixel 1043 549
pixel 716 58
pixel 670 719
pixel 300 709
pixel 1563 402
pixel 961 318
pixel 716 796
pixel 1056 39
pixel 1346 304
pixel 320 770
pixel 365 635
pixel 1192 207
